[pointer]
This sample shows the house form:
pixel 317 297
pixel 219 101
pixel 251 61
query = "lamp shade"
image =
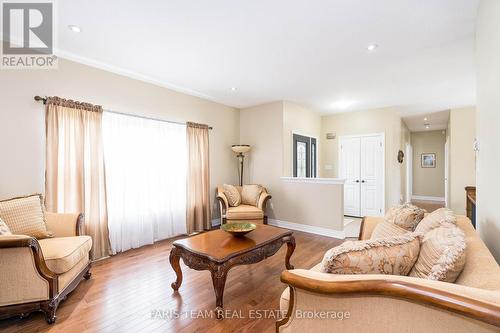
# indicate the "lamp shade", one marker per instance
pixel 240 148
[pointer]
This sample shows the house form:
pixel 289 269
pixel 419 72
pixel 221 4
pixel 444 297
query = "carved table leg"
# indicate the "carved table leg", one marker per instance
pixel 174 262
pixel 290 243
pixel 219 282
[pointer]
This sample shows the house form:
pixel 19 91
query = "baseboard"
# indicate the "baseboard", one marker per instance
pixel 427 198
pixel 307 228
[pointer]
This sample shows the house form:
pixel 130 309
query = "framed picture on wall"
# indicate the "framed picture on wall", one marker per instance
pixel 428 160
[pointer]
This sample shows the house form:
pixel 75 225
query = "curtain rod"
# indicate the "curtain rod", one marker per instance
pixel 44 100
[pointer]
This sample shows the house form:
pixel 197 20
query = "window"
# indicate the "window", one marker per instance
pixel 145 164
pixel 304 156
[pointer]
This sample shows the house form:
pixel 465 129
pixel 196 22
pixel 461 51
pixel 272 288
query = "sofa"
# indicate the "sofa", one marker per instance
pixel 390 303
pixel 242 212
pixel 36 275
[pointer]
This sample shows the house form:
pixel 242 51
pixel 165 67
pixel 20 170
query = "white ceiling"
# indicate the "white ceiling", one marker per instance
pixel 436 120
pixel 310 52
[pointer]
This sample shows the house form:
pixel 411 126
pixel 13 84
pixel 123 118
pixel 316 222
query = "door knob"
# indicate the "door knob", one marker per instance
pixel 363 181
pixel 357 180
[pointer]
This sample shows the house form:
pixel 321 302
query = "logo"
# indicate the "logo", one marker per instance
pixel 28 35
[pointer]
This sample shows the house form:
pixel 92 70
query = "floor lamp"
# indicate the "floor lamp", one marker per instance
pixel 240 151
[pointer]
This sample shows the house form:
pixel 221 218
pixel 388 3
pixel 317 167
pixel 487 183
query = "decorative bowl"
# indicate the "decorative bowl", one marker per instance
pixel 238 229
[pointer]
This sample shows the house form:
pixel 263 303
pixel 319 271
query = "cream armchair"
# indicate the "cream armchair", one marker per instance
pixel 388 303
pixel 242 212
pixel 38 274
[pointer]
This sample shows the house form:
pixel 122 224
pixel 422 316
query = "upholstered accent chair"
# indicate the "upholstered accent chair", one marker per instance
pixel 242 212
pixel 38 274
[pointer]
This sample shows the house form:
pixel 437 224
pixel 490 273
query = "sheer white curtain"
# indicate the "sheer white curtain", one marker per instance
pixel 146 180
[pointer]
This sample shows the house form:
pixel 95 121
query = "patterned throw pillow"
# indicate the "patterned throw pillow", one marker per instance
pixel 387 229
pixel 250 194
pixel 4 229
pixel 24 216
pixel 392 255
pixel 232 195
pixel 439 217
pixel 442 255
pixel 406 216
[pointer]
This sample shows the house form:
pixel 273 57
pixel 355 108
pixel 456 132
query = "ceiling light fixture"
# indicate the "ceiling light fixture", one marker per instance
pixel 233 89
pixel 425 119
pixel 74 28
pixel 343 104
pixel 372 47
pixel 427 126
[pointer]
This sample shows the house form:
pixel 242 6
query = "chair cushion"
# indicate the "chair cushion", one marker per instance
pixel 24 216
pixel 406 216
pixel 250 194
pixel 63 253
pixel 232 194
pixel 439 217
pixel 244 212
pixel 391 255
pixel 442 255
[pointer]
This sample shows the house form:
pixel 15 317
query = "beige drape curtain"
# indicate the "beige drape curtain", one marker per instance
pixel 75 178
pixel 198 179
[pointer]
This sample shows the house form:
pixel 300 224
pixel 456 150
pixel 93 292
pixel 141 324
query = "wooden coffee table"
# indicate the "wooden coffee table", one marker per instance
pixel 218 251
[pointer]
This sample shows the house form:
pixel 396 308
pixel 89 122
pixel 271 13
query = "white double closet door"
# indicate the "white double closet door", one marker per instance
pixel 361 164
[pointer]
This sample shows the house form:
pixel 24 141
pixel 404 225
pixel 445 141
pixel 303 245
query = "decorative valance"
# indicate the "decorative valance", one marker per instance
pixel 68 103
pixel 196 125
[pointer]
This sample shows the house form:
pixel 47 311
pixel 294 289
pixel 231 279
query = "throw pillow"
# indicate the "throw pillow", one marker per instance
pixel 232 194
pixel 392 255
pixel 439 217
pixel 4 229
pixel 406 216
pixel 24 216
pixel 250 194
pixel 387 229
pixel 442 255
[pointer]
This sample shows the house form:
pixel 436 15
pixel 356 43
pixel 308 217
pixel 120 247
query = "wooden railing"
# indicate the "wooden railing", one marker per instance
pixel 470 195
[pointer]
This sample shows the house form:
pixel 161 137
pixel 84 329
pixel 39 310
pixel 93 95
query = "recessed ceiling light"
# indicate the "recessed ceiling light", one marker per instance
pixel 233 89
pixel 74 28
pixel 372 47
pixel 343 104
pixel 427 126
pixel 425 119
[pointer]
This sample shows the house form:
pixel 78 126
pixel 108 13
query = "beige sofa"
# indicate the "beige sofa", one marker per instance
pixel 242 212
pixel 38 274
pixel 388 303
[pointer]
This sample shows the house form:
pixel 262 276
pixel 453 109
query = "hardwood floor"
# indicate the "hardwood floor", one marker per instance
pixel 429 206
pixel 125 291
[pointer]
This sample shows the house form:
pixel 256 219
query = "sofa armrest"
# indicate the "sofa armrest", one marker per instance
pixel 263 199
pixel 223 203
pixel 478 304
pixel 65 225
pixel 22 257
pixel 367 225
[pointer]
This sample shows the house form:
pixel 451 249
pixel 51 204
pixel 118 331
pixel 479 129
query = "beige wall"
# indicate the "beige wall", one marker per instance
pixel 299 120
pixel 262 127
pixel 22 119
pixel 405 140
pixel 462 133
pixel 488 123
pixel 386 121
pixel 428 181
